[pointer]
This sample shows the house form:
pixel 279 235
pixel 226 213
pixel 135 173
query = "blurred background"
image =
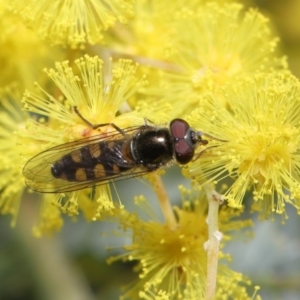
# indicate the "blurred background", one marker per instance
pixel 72 264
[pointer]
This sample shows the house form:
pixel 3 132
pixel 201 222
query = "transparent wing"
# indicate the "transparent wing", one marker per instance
pixel 39 177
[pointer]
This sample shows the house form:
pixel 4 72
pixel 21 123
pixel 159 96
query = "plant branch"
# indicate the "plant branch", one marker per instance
pixel 214 238
pixel 164 200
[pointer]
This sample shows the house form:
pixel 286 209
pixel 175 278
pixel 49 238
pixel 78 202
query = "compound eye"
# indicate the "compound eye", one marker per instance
pixel 183 152
pixel 179 128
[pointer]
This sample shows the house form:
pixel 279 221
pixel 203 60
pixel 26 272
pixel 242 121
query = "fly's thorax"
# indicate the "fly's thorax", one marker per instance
pixel 152 146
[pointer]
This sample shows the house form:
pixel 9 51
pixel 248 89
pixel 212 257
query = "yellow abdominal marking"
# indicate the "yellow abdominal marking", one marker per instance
pixel 95 150
pixel 99 171
pixel 76 156
pixel 80 174
pixel 116 169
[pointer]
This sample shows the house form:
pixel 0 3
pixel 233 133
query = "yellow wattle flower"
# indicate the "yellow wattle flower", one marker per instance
pixel 214 44
pixel 49 219
pixel 72 22
pixel 11 179
pixel 12 121
pixel 22 54
pixel 262 127
pixel 171 262
pixel 97 96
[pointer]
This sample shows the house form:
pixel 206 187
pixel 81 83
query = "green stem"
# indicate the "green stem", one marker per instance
pixel 213 243
pixel 164 200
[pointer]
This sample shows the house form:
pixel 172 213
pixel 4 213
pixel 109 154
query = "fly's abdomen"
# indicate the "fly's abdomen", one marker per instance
pixel 93 162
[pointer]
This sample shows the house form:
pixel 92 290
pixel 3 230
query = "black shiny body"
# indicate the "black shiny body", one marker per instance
pixel 103 158
pixel 152 148
pixel 148 148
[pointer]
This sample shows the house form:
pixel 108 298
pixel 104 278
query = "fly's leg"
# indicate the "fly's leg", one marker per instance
pixel 95 126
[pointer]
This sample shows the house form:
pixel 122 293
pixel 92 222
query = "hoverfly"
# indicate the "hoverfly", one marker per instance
pixel 123 153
